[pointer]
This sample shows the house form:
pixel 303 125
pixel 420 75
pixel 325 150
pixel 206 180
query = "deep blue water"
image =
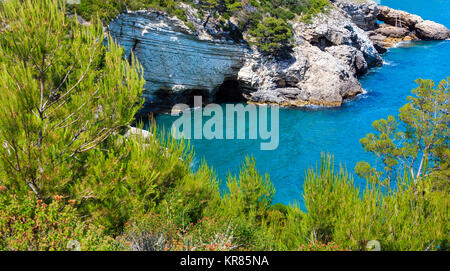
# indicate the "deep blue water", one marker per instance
pixel 305 134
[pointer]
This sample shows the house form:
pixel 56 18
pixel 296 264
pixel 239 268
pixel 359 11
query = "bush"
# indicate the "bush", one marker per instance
pixel 129 176
pixel 154 232
pixel 107 10
pixel 80 94
pixel 411 217
pixel 326 193
pixel 29 224
pixel 272 36
pixel 72 171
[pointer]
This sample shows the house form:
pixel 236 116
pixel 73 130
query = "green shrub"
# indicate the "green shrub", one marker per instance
pixel 325 193
pixel 312 8
pixel 410 217
pixel 272 36
pixel 417 141
pixel 72 170
pixel 318 246
pixel 107 10
pixel 78 94
pixel 156 232
pixel 253 19
pixel 29 224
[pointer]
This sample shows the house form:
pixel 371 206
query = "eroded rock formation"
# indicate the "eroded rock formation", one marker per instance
pixel 398 25
pixel 363 14
pixel 330 53
pixel 328 56
pixel 403 26
pixel 429 30
pixel 176 60
pixel 398 18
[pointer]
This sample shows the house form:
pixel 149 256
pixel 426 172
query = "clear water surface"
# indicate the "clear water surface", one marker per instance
pixel 306 133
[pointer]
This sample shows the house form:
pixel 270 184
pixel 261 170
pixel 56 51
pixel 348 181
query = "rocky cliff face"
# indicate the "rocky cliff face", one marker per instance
pixel 176 60
pixel 363 14
pixel 328 56
pixel 330 53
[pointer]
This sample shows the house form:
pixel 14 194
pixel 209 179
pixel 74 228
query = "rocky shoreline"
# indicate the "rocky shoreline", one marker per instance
pixel 403 26
pixel 328 56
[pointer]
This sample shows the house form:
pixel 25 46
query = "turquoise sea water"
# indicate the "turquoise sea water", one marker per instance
pixel 306 133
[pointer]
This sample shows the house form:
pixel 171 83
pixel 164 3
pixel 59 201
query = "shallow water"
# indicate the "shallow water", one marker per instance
pixel 305 134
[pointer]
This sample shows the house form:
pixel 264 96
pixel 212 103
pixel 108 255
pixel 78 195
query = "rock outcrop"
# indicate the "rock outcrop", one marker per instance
pixel 398 18
pixel 363 14
pixel 328 55
pixel 310 77
pixel 350 56
pixel 429 30
pixel 424 30
pixel 176 60
pixel 179 62
pixel 392 31
pixel 397 25
pixel 335 28
pixel 386 36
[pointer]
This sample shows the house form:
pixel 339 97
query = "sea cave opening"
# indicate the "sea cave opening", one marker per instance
pixel 229 92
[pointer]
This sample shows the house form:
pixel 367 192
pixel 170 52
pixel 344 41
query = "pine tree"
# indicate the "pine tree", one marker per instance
pixel 63 92
pixel 272 36
pixel 417 141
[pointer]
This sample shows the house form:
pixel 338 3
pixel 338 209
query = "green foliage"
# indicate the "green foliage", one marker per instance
pixel 440 174
pixel 29 224
pixel 272 36
pixel 247 202
pixel 418 141
pixel 154 232
pixel 326 193
pixel 266 21
pixel 63 94
pixel 222 7
pixel 71 169
pixel 318 246
pixel 65 98
pixel 107 10
pixel 314 7
pixel 129 176
pixel 288 9
pixel 241 210
pixel 412 217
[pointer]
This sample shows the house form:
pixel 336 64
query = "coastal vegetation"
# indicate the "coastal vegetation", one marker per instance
pixel 73 176
pixel 283 9
pixel 272 35
pixel 265 24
